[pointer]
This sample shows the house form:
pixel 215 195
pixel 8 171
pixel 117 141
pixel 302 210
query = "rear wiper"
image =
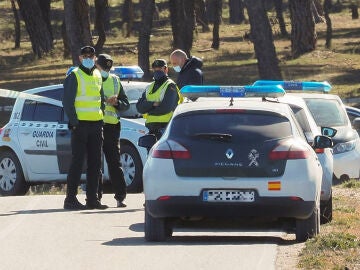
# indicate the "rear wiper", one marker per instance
pixel 214 136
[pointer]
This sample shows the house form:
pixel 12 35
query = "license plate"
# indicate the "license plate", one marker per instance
pixel 229 196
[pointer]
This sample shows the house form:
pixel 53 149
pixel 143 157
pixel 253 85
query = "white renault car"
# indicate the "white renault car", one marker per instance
pixel 226 159
pixel 329 111
pixel 35 143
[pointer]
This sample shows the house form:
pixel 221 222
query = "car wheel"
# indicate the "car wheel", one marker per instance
pixel 12 181
pixel 326 211
pixel 132 167
pixel 155 228
pixel 308 228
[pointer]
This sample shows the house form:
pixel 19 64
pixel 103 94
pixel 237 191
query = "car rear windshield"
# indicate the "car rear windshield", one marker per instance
pixel 327 112
pixel 252 126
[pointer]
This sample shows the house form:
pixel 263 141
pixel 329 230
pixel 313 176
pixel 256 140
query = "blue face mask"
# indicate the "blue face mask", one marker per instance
pixel 177 68
pixel 158 74
pixel 104 73
pixel 88 63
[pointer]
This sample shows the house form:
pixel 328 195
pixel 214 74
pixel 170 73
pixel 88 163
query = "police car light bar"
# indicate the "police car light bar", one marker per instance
pixel 298 85
pixel 128 72
pixel 195 91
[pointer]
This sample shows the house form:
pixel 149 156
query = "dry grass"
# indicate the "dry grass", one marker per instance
pixel 338 245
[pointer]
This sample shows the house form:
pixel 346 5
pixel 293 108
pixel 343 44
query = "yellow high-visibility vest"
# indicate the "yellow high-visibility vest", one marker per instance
pixel 158 96
pixel 88 97
pixel 111 87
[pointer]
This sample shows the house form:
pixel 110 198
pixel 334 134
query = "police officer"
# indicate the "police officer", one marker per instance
pixel 83 103
pixel 159 100
pixel 116 101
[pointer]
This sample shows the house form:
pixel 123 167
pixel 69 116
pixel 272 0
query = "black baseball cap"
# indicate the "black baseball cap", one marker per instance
pixel 159 63
pixel 104 61
pixel 87 50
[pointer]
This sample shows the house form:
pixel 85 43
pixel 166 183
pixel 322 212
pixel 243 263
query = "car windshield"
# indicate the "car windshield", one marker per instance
pixel 240 126
pixel 327 112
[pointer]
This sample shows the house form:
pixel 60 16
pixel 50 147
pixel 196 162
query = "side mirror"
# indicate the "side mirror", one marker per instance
pixel 328 131
pixel 147 141
pixel 356 123
pixel 321 142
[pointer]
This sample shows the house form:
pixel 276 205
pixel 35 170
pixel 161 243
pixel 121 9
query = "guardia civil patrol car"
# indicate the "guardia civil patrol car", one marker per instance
pixel 35 143
pixel 222 158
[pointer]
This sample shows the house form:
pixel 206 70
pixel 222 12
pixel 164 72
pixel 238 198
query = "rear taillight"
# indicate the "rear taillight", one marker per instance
pixel 286 151
pixel 319 150
pixel 170 150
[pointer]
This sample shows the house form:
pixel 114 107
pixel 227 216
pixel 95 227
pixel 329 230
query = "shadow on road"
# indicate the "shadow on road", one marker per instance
pixel 60 210
pixel 202 240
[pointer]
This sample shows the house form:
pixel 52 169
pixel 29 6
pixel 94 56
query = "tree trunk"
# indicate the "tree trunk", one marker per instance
pixel 77 23
pixel 66 42
pixel 127 17
pixel 100 14
pixel 303 35
pixel 354 11
pixel 201 16
pixel 315 12
pixel 236 10
pixel 182 13
pixel 327 8
pixel 217 9
pixel 261 36
pixel 45 12
pixel 280 17
pixel 36 27
pixel 147 8
pixel 16 24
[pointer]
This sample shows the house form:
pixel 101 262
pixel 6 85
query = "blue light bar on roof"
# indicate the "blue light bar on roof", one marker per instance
pixel 195 91
pixel 128 72
pixel 298 85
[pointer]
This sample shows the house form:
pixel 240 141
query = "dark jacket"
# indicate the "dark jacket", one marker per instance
pixel 70 89
pixel 191 73
pixel 168 104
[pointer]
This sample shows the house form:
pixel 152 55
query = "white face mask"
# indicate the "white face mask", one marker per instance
pixel 88 63
pixel 177 68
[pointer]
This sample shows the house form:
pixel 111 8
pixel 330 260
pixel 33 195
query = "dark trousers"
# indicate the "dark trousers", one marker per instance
pixel 111 148
pixel 86 141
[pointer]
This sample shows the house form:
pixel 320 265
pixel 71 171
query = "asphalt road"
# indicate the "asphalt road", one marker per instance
pixel 37 233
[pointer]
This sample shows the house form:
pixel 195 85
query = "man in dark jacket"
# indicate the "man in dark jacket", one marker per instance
pixel 189 68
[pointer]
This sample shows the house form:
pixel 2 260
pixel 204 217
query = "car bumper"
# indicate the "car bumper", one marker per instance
pixel 192 206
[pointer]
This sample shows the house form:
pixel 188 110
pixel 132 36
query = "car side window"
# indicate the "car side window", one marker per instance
pixel 41 112
pixel 55 94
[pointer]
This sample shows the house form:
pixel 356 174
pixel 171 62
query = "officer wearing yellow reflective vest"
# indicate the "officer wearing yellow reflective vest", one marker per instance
pixel 160 99
pixel 116 101
pixel 84 104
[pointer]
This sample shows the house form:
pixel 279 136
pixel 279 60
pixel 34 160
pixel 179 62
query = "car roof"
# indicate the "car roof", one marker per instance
pixel 43 88
pixel 209 103
pixel 313 95
pixel 125 83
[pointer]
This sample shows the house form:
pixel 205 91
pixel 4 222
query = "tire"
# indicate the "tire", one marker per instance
pixel 12 181
pixel 308 228
pixel 326 211
pixel 132 167
pixel 155 228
